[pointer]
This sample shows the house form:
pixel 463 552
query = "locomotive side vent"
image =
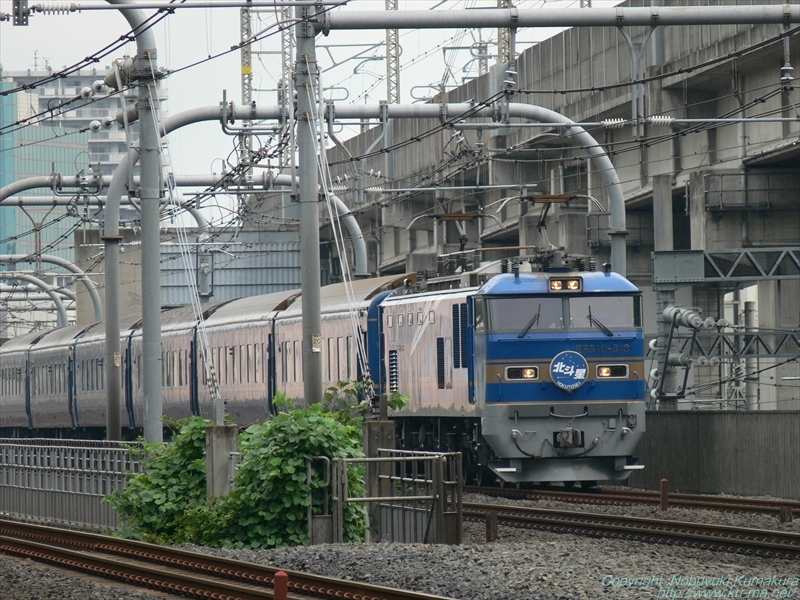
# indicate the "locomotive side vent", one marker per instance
pixel 394 376
pixel 456 338
pixel 440 363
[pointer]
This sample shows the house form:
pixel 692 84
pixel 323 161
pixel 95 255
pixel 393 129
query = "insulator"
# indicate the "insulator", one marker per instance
pixel 131 113
pixel 56 8
pixel 714 361
pixel 613 123
pixel 592 263
pixel 581 264
pixel 653 344
pixel 476 261
pixel 504 265
pixel 702 361
pixel 439 266
pixel 654 374
pixel 687 318
pixel 661 120
pixel 679 360
pixel 709 323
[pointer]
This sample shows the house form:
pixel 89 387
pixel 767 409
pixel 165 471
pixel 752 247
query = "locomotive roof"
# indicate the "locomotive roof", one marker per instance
pixel 536 283
pixel 253 308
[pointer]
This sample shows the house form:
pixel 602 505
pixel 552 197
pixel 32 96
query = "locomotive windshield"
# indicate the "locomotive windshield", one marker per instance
pixel 521 315
pixel 511 314
pixel 611 311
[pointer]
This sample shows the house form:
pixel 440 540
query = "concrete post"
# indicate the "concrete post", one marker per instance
pixel 665 294
pixel 221 441
pixel 151 302
pixel 377 434
pixel 305 84
pixel 149 152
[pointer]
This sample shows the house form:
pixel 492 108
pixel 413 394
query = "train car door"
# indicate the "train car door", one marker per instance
pixel 194 374
pixel 28 390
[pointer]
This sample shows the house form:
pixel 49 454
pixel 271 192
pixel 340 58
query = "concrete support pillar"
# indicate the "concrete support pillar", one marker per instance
pixel 665 294
pixel 377 434
pixel 662 213
pixel 221 441
pixel 697 211
pixel 751 364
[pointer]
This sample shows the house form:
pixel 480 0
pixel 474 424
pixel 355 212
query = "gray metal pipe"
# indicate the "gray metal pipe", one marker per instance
pixel 151 314
pixel 554 17
pixel 61 319
pixel 16 292
pixel 348 220
pixel 66 181
pixel 69 266
pixel 54 181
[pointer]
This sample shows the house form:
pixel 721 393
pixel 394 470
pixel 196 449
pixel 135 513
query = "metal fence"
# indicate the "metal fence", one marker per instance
pixel 63 482
pixel 750 190
pixel 418 499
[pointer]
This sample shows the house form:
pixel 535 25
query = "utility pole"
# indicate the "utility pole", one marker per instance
pixel 245 33
pixel 506 37
pixel 392 60
pixel 286 95
pixel 306 84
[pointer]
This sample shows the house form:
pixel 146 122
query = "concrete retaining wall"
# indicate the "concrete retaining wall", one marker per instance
pixel 746 453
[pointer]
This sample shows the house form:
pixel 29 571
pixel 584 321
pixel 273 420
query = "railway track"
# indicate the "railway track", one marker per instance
pixel 179 572
pixel 627 497
pixel 755 542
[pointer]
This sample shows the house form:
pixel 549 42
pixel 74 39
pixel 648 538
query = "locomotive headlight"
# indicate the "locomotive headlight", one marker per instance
pixel 522 373
pixel 565 285
pixel 612 371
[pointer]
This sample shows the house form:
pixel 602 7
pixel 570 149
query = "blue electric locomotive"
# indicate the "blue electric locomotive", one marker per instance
pixel 537 375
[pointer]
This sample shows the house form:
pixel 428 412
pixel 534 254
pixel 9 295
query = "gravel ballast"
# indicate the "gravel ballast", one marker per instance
pixel 521 565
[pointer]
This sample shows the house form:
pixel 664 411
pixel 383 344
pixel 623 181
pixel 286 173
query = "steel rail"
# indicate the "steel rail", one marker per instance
pixel 178 571
pixel 758 542
pixel 627 497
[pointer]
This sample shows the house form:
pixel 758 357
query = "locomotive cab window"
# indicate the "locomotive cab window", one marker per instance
pixel 605 312
pixel 478 310
pixel 521 315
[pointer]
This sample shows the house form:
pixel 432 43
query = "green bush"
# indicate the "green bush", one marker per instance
pixel 157 503
pixel 268 507
pixel 167 503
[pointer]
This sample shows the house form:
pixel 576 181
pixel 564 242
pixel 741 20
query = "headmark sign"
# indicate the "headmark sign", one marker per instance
pixel 568 370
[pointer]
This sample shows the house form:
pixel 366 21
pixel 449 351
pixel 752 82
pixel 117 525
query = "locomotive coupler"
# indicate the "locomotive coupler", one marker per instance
pixel 569 437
